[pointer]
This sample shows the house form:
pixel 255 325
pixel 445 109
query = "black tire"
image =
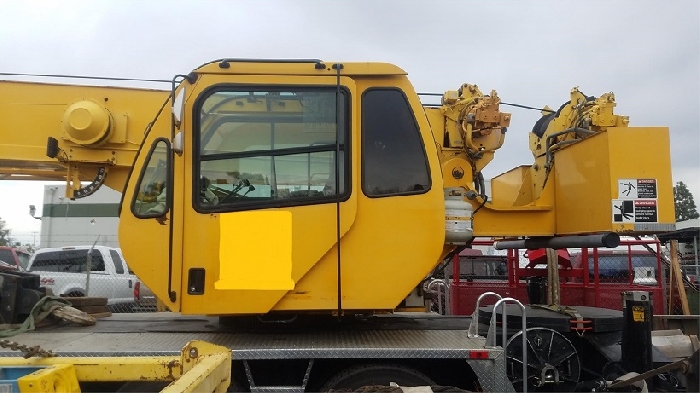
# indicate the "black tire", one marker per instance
pixel 75 294
pixel 356 377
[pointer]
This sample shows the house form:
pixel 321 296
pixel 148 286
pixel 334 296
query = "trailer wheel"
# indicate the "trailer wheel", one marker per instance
pixel 376 374
pixel 552 361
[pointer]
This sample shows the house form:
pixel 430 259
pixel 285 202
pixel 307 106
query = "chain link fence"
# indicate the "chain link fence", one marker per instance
pixel 634 266
pixel 98 275
pixel 682 288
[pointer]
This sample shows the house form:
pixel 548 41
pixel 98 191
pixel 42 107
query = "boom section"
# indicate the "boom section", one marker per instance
pixel 73 133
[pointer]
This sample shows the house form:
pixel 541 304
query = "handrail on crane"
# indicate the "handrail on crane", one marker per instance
pixel 491 336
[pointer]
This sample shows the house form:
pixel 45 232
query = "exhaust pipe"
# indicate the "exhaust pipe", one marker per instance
pixel 607 240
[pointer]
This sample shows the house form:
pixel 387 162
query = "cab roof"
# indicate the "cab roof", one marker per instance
pixel 296 67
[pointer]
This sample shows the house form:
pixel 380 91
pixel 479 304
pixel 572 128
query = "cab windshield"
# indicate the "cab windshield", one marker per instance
pixel 271 146
pixel 23 259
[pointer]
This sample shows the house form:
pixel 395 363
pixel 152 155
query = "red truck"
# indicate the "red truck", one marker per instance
pixel 13 258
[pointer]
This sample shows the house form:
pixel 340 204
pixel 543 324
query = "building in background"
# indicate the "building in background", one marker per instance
pixel 66 222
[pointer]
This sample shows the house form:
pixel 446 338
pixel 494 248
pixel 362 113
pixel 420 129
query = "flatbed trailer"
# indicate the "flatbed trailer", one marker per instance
pixel 272 356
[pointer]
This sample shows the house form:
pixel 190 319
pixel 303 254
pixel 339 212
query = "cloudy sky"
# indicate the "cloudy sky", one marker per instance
pixel 531 52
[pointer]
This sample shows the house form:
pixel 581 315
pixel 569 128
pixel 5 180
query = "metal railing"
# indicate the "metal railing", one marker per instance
pixel 491 336
pixel 475 317
pixel 442 292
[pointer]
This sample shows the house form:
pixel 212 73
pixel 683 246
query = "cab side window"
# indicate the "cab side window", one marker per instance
pixel 151 198
pixel 393 156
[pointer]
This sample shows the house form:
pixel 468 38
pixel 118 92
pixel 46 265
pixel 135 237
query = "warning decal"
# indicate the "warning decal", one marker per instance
pixel 636 201
pixel 623 211
pixel 646 188
pixel 636 189
pixel 640 210
pixel 645 211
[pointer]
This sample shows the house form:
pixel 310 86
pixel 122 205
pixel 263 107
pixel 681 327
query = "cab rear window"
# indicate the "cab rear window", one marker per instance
pixel 7 257
pixel 118 264
pixel 72 261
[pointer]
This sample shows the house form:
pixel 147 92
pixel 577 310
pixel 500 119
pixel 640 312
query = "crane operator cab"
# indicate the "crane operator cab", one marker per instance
pixel 304 186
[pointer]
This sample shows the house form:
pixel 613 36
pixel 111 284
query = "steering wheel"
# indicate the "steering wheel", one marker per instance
pixel 234 193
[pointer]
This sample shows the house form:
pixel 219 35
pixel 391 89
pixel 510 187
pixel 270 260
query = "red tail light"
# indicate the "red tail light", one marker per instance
pixel 137 290
pixel 478 354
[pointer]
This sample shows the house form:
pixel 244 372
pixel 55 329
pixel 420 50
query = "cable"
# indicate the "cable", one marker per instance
pixel 482 184
pixel 504 103
pixel 528 107
pixel 485 198
pixel 105 78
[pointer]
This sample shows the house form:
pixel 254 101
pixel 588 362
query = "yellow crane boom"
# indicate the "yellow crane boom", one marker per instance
pixel 73 133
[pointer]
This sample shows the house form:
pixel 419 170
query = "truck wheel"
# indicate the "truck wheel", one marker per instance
pixel 356 377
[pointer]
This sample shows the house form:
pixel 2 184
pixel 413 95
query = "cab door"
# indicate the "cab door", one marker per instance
pixel 146 233
pixel 270 193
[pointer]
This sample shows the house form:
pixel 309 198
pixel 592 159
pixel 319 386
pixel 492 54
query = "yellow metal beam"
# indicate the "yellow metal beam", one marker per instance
pixel 201 366
pixel 205 368
pixel 57 378
pixel 113 369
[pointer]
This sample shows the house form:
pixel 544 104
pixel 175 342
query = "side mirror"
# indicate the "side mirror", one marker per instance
pixel 178 143
pixel 178 106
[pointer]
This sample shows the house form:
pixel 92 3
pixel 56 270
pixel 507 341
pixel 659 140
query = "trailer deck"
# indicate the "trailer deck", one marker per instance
pixel 423 336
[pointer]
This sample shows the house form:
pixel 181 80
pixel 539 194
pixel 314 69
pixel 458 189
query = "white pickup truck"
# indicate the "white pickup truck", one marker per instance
pixel 65 271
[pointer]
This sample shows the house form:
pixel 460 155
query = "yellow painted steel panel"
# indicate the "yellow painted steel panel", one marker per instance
pixel 56 378
pixel 588 175
pixel 287 69
pixel 509 187
pixel 395 241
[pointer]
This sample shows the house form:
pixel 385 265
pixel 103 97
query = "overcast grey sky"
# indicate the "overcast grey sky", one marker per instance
pixel 531 52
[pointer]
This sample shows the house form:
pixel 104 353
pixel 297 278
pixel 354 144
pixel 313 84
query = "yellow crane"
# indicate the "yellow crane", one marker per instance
pixel 286 187
pixel 316 186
